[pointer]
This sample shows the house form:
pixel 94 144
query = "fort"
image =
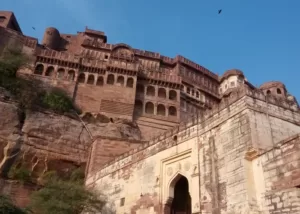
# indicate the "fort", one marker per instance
pixel 210 144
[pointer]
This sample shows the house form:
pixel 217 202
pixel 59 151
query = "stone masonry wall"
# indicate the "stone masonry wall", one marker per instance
pixel 271 123
pixel 143 178
pixel 106 149
pixel 149 172
pixel 280 191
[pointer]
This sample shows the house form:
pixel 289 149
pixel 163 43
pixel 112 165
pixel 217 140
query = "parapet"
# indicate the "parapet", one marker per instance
pixel 96 33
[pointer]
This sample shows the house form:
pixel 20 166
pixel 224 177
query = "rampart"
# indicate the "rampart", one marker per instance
pixel 207 120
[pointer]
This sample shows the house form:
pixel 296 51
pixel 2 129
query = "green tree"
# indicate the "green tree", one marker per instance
pixel 11 60
pixel 25 91
pixel 65 196
pixel 7 206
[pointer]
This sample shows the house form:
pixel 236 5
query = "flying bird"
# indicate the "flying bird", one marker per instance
pixel 220 11
pixel 33 28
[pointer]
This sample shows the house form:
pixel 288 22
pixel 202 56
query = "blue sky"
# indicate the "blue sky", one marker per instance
pixel 260 37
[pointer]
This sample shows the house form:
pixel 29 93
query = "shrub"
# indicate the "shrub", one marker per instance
pixel 12 60
pixel 64 197
pixel 77 175
pixel 21 174
pixel 7 206
pixel 57 100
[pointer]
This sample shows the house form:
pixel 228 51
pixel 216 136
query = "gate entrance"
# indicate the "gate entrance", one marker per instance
pixel 181 203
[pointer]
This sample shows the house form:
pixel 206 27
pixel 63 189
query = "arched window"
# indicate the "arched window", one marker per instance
pixel 129 82
pixel 120 80
pixel 81 78
pixel 150 91
pixel 140 89
pixel 91 80
pixel 110 79
pixel 71 75
pixel 172 111
pixel 172 95
pixel 278 91
pixel 162 93
pixel 60 73
pixel 39 69
pixel 149 108
pixel 100 81
pixel 161 110
pixel 138 107
pixel 50 71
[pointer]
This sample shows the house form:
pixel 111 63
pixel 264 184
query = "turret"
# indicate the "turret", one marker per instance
pixel 51 38
pixel 274 88
pixel 230 80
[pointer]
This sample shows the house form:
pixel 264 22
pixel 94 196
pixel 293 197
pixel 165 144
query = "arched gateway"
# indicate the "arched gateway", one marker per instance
pixel 179 201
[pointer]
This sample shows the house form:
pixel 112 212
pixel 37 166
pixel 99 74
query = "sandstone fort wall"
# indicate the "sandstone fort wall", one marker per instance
pixel 144 178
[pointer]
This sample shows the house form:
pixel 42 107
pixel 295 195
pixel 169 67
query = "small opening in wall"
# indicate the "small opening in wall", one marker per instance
pixel 175 138
pixel 122 202
pixel 188 90
pixel 298 187
pixel 111 120
pixel 268 92
pixel 278 91
pixel 106 57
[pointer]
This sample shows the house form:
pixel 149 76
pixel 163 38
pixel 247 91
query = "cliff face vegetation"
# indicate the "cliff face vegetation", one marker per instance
pixel 41 140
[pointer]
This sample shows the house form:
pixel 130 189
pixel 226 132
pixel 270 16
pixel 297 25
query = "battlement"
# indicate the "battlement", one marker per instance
pixel 96 32
pixel 18 36
pixel 196 66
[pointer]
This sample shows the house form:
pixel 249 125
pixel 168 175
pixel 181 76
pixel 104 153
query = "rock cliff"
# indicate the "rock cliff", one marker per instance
pixel 42 141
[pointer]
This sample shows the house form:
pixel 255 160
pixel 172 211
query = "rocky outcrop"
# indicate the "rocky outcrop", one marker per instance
pixel 42 141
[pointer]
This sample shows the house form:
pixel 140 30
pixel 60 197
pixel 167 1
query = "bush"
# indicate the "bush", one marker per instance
pixel 64 197
pixel 77 175
pixel 57 100
pixel 7 206
pixel 12 60
pixel 21 174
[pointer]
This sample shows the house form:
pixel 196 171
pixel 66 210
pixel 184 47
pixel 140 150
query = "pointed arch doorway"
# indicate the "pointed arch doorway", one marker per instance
pixel 181 200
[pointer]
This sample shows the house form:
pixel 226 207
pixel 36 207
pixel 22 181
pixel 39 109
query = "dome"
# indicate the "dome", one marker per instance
pixel 272 84
pixel 232 72
pixel 52 30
